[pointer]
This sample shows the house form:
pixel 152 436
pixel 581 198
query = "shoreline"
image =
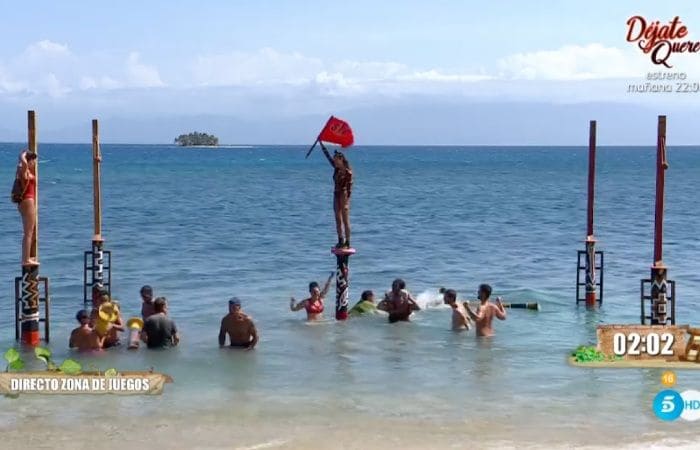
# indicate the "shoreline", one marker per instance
pixel 253 430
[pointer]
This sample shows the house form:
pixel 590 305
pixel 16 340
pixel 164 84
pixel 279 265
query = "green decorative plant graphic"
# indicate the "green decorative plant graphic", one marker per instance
pixel 14 361
pixel 68 366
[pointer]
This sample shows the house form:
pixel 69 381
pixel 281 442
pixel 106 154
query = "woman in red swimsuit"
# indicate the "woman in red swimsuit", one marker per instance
pixel 342 178
pixel 25 181
pixel 314 304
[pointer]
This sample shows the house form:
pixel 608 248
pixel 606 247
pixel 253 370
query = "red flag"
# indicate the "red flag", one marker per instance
pixel 338 132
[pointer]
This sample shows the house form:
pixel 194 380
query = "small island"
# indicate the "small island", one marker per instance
pixel 196 138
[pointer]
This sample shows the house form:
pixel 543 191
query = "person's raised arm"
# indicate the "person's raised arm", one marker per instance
pixel 296 306
pixel 327 285
pixel 328 155
pixel 500 310
pixel 472 314
pixel 222 334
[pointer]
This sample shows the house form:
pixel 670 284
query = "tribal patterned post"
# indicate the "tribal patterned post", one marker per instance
pixel 590 240
pixel 29 283
pixel 95 258
pixel 659 272
pixel 342 288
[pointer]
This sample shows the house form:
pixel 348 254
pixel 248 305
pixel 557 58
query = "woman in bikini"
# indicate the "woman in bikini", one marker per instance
pixel 342 177
pixel 314 304
pixel 24 194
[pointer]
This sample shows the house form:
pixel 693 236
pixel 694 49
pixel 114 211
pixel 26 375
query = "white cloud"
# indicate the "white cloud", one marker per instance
pixel 575 62
pixel 262 67
pixel 51 85
pixel 141 75
pixel 47 48
pixel 103 82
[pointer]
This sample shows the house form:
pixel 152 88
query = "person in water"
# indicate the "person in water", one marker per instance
pixel 24 194
pixel 486 311
pixel 398 302
pixel 239 327
pixel 84 338
pixel 159 330
pixel 111 339
pixel 313 304
pixel 460 319
pixel 365 305
pixel 147 306
pixel 342 178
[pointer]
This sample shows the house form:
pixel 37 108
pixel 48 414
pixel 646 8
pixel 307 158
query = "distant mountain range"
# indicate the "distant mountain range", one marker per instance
pixel 414 123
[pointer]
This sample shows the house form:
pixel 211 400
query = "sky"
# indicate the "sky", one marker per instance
pixel 408 72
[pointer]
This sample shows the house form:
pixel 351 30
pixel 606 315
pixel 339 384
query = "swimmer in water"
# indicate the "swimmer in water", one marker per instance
pixel 313 304
pixel 147 306
pixel 84 338
pixel 111 339
pixel 460 319
pixel 239 327
pixel 398 302
pixel 486 311
pixel 365 305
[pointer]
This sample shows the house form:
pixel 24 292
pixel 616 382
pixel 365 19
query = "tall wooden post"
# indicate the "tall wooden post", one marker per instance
pixel 590 266
pixel 590 239
pixel 94 261
pixel 29 282
pixel 659 273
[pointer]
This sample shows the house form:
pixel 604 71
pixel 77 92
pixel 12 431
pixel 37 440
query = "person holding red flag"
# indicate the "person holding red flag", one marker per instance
pixel 342 178
pixel 338 131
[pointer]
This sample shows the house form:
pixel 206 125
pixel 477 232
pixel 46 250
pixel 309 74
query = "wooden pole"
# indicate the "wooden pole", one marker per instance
pixel 661 166
pixel 33 148
pixel 29 281
pixel 591 175
pixel 96 181
pixel 590 239
pixel 659 271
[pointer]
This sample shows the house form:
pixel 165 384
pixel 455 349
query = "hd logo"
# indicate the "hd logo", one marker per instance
pixel 670 405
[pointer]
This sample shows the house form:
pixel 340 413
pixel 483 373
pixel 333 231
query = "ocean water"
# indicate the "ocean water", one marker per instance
pixel 202 225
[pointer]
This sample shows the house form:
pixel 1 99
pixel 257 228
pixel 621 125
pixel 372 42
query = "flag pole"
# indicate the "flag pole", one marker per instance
pixel 312 148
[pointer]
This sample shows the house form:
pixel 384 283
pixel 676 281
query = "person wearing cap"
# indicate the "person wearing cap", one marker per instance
pixel 239 327
pixel 147 308
pixel 159 330
pixel 84 338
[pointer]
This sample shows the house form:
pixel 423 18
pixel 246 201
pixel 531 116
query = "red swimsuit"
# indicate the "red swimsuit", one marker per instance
pixel 314 307
pixel 30 190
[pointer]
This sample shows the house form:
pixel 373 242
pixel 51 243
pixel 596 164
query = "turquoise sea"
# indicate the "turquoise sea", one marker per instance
pixel 202 225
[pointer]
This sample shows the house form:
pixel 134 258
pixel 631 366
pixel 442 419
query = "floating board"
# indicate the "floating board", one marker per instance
pixel 342 251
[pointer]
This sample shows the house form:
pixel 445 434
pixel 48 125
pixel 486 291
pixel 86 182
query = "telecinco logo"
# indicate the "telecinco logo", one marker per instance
pixel 660 41
pixel 670 405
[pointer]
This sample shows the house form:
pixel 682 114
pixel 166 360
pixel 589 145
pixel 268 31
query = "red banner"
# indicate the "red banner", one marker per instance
pixel 338 132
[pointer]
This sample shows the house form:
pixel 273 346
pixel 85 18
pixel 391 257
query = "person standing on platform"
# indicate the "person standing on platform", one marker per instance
pixel 313 304
pixel 486 311
pixel 159 330
pixel 460 319
pixel 239 327
pixel 24 194
pixel 342 179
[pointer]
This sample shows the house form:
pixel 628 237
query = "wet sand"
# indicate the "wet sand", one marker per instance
pixel 224 431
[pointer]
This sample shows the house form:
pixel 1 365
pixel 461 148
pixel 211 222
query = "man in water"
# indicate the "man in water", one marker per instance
pixel 365 305
pixel 147 308
pixel 159 330
pixel 486 311
pixel 398 302
pixel 239 327
pixel 84 338
pixel 460 320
